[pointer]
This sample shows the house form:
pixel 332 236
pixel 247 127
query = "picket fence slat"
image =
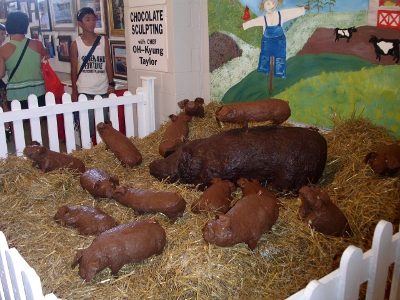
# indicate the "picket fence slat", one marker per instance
pixel 357 268
pixel 21 282
pixel 138 120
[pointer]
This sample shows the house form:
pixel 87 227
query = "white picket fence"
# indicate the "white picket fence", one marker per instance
pixel 138 114
pixel 18 279
pixel 357 268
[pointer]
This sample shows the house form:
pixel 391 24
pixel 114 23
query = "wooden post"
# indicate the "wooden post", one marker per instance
pixel 271 73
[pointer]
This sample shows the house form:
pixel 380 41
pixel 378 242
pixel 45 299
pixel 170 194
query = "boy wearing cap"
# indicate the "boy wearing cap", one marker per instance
pixel 96 77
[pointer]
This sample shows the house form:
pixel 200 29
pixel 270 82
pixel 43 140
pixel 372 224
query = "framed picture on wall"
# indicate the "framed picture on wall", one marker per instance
pixel 33 10
pixel 24 6
pixel 116 17
pixel 34 30
pixel 63 15
pixel 48 44
pixel 44 15
pixel 118 58
pixel 98 7
pixel 2 11
pixel 10 6
pixel 63 48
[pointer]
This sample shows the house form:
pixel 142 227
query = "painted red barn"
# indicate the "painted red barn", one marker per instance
pixel 384 13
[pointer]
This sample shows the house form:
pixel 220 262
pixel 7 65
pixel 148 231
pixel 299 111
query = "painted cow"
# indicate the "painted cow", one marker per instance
pixel 344 33
pixel 386 47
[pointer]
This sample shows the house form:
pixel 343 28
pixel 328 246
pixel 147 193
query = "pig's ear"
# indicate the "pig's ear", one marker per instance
pixel 97 184
pixel 77 259
pixel 173 117
pixel 199 100
pixel 182 103
pixel 188 118
pixel 225 221
pixel 392 161
pixel 114 180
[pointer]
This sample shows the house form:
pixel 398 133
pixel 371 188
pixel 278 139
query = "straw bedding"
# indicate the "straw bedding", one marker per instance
pixel 285 260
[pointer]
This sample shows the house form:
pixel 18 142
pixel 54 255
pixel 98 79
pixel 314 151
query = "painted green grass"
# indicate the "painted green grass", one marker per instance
pixel 372 93
pixel 225 16
pixel 255 86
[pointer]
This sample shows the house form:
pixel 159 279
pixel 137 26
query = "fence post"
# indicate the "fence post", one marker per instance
pixel 349 274
pixel 395 288
pixel 148 89
pixel 6 292
pixel 379 261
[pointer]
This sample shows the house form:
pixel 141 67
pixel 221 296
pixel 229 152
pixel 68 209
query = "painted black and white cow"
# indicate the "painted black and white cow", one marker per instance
pixel 344 33
pixel 385 47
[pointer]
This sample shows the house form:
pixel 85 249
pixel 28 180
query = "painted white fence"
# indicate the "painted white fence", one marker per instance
pixel 138 113
pixel 357 268
pixel 18 279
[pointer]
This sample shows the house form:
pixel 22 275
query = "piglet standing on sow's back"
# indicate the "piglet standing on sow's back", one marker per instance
pixel 216 198
pixel 126 243
pixel 98 183
pixel 271 109
pixel 120 145
pixel 49 160
pixel 318 211
pixel 246 222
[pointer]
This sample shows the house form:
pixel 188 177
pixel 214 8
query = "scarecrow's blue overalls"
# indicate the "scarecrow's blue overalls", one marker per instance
pixel 273 43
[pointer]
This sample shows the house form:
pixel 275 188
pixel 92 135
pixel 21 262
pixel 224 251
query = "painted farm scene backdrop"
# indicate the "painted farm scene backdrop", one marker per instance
pixel 336 63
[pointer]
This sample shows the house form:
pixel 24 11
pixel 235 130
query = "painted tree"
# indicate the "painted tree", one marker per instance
pixel 331 3
pixel 318 4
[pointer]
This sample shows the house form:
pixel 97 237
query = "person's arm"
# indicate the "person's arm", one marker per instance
pixel 109 69
pixel 2 65
pixel 254 22
pixel 292 13
pixel 73 49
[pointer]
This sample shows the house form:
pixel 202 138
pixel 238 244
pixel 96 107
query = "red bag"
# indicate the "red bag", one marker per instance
pixel 53 84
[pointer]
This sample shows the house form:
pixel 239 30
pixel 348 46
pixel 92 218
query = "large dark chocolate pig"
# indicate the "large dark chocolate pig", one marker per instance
pixel 175 134
pixel 386 160
pixel 216 198
pixel 48 160
pixel 89 220
pixel 290 157
pixel 318 211
pixel 193 108
pixel 146 201
pixel 98 183
pixel 126 243
pixel 275 110
pixel 120 145
pixel 246 222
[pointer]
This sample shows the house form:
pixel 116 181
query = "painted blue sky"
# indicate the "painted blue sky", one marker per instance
pixel 341 5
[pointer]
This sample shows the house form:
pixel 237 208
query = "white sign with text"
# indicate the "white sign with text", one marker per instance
pixel 148 38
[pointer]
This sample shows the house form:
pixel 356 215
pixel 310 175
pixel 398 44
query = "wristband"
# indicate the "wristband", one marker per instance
pixel 112 83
